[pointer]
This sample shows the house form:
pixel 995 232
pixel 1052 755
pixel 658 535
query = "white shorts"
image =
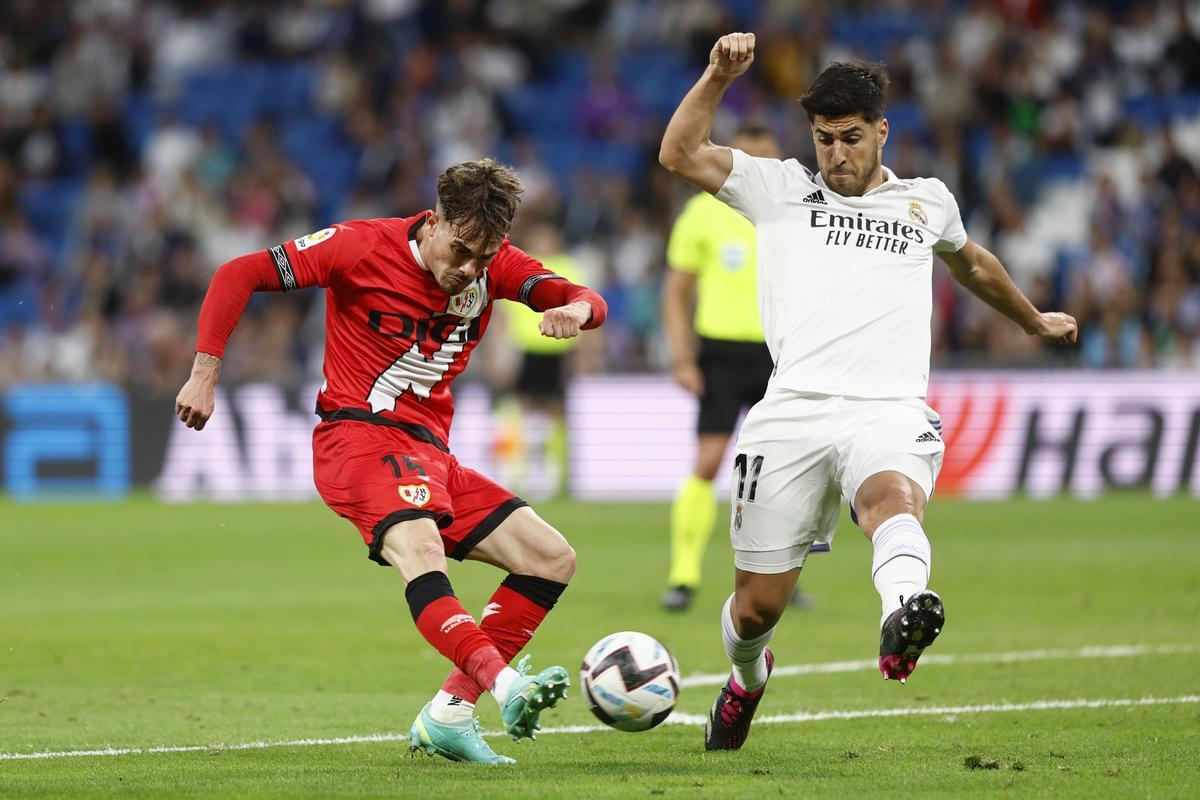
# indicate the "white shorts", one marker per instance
pixel 799 455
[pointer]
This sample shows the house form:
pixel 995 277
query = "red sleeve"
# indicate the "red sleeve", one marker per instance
pixel 317 259
pixel 313 260
pixel 560 291
pixel 227 296
pixel 521 277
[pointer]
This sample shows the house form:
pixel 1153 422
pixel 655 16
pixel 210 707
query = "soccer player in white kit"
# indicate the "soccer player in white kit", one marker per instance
pixel 845 291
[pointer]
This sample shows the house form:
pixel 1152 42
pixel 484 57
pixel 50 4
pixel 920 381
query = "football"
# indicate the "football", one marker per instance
pixel 630 681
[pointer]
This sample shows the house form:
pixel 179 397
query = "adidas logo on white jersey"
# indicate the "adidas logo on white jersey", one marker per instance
pixel 817 197
pixel 927 436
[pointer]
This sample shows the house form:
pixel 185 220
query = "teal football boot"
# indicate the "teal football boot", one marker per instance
pixel 529 696
pixel 457 741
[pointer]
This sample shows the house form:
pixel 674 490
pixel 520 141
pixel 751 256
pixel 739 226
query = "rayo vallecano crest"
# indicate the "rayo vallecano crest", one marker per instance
pixel 471 300
pixel 417 495
pixel 916 212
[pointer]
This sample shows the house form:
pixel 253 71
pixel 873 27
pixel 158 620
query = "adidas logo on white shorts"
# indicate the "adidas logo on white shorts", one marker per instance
pixel 927 436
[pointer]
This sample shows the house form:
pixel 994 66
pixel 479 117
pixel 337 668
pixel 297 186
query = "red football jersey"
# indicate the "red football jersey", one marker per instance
pixel 394 341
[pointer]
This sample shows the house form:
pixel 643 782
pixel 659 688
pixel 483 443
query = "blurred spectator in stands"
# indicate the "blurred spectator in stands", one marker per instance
pixel 169 151
pixel 1183 53
pixel 142 143
pixel 1102 291
pixel 608 110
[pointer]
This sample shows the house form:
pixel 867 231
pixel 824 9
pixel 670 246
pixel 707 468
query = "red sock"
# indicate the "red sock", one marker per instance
pixel 509 619
pixel 447 626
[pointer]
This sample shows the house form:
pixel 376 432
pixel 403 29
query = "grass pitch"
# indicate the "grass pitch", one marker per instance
pixel 147 626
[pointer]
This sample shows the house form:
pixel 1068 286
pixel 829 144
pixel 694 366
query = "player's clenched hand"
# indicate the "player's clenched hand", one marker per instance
pixel 689 377
pixel 197 398
pixel 564 322
pixel 1057 327
pixel 732 55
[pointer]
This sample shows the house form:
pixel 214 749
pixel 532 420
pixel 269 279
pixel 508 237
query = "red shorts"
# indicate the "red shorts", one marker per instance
pixel 378 475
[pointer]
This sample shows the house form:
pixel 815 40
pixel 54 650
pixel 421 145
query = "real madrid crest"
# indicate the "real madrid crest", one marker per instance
pixel 737 517
pixel 916 212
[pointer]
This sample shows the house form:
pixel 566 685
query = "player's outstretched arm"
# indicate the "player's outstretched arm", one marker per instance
pixel 231 287
pixel 567 308
pixel 686 148
pixel 984 276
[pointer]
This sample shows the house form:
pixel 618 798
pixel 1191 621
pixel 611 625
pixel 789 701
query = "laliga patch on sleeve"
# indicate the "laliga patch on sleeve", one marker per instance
pixel 314 239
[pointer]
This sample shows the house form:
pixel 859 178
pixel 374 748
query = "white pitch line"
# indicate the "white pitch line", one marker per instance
pixel 950 711
pixel 1119 651
pixel 680 718
pixel 199 748
pixel 675 719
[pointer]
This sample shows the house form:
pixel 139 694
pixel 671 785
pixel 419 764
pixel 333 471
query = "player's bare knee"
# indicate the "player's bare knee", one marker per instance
pixel 414 548
pixel 421 550
pixel 551 558
pixel 568 564
pixel 885 496
pixel 560 565
pixel 753 623
pixel 869 520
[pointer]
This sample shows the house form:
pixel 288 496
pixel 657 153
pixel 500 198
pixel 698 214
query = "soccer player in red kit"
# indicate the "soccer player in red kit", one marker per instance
pixel 408 300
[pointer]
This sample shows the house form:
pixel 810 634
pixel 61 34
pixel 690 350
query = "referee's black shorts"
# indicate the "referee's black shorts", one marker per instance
pixel 735 376
pixel 542 377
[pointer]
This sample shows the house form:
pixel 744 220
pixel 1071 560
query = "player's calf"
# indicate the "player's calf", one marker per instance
pixel 510 618
pixel 447 626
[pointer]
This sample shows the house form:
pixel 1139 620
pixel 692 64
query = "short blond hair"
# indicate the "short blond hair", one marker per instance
pixel 479 198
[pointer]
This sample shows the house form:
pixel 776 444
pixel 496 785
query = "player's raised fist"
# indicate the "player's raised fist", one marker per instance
pixel 732 55
pixel 566 321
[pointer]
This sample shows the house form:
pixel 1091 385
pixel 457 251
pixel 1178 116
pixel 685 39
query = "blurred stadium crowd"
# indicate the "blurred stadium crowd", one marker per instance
pixel 144 143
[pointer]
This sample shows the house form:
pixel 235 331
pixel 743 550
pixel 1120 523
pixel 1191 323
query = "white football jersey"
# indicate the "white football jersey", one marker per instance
pixel 845 284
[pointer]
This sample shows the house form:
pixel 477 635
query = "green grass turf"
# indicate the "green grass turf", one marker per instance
pixel 139 624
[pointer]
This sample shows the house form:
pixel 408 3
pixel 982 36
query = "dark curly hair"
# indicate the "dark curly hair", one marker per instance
pixel 847 88
pixel 479 198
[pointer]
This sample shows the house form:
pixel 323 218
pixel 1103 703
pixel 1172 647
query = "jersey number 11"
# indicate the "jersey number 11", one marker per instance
pixel 739 466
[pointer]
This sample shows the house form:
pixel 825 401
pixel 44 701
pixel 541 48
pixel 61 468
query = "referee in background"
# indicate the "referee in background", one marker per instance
pixel 717 353
pixel 533 451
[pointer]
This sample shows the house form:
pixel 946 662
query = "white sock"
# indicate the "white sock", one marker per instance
pixel 902 561
pixel 504 682
pixel 449 708
pixel 748 656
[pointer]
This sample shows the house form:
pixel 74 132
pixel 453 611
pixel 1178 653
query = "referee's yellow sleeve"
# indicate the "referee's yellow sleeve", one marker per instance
pixel 717 244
